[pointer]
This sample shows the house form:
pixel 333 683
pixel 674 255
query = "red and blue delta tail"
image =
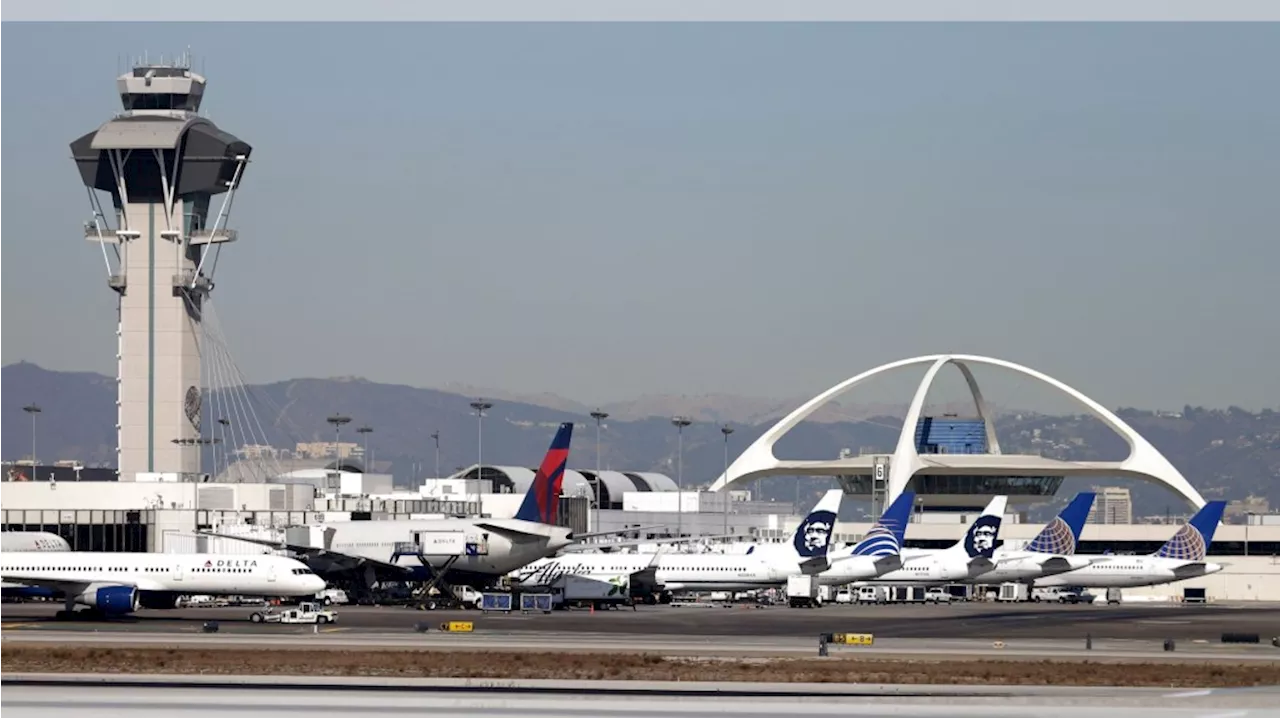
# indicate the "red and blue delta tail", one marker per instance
pixel 542 502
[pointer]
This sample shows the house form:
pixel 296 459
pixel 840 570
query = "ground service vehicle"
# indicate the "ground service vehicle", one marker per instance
pixel 307 612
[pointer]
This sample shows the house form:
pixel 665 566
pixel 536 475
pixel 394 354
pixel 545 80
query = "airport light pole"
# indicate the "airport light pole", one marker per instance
pixel 33 410
pixel 480 405
pixel 726 430
pixel 436 436
pixel 680 422
pixel 365 431
pixel 599 416
pixel 338 420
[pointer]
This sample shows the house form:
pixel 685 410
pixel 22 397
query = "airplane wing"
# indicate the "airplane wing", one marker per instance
pixel 615 532
pixel 335 556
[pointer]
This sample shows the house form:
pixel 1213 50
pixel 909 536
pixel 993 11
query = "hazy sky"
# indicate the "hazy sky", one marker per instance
pixel 604 211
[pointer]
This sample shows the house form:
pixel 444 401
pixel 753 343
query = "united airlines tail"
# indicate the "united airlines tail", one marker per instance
pixel 542 501
pixel 886 536
pixel 1061 535
pixel 1191 542
pixel 979 541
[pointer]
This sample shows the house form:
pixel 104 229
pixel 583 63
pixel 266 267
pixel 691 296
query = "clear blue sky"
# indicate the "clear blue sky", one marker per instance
pixel 605 211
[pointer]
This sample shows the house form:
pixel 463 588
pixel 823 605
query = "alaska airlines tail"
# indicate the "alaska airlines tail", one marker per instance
pixel 1061 535
pixel 979 541
pixel 886 536
pixel 1191 543
pixel 542 501
pixel 813 536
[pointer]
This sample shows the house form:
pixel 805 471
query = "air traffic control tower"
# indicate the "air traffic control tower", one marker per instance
pixel 162 164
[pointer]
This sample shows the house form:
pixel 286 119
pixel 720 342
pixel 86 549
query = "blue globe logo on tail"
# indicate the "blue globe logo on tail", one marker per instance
pixel 1186 545
pixel 1191 543
pixel 1061 535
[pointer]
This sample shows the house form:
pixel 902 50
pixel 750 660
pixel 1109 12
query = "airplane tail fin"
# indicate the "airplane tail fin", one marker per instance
pixel 1191 542
pixel 980 540
pixel 1062 534
pixel 813 536
pixel 542 501
pixel 886 536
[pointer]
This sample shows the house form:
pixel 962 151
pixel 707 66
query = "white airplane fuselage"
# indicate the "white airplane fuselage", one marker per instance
pixel 32 541
pixel 1131 572
pixel 498 552
pixel 673 572
pixel 85 576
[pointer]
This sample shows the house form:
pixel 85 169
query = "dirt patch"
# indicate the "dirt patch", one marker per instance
pixel 646 667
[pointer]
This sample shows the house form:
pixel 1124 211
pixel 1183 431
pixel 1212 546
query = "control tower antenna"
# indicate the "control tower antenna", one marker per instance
pixel 161 163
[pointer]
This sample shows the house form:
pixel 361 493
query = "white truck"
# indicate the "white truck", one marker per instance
pixel 802 592
pixel 306 612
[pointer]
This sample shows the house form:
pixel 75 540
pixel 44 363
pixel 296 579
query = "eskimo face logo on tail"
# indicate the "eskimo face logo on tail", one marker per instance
pixel 814 535
pixel 980 541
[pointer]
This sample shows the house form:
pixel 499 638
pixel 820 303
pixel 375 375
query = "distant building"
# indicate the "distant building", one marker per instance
pixel 1243 508
pixel 1113 506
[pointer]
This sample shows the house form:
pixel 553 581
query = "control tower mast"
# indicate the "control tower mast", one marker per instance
pixel 161 163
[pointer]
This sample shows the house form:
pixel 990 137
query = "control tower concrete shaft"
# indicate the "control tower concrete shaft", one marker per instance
pixel 161 163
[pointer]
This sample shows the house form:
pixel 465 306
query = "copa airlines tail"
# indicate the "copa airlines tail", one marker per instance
pixel 541 503
pixel 979 542
pixel 887 535
pixel 1191 543
pixel 1061 536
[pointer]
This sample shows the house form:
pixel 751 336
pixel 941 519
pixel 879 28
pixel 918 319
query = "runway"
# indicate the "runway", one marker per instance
pixel 986 621
pixel 259 697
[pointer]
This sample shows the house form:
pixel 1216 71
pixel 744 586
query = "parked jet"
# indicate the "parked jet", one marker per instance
pixel 969 557
pixel 1180 558
pixel 879 552
pixel 769 566
pixel 113 584
pixel 1049 553
pixel 475 552
pixel 17 541
pixel 32 541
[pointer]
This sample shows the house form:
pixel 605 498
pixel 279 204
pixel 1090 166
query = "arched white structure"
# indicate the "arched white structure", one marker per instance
pixel 1143 462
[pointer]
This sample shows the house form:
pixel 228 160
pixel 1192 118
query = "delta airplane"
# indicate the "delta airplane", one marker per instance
pixel 18 541
pixel 879 552
pixel 674 573
pixel 23 541
pixel 969 557
pixel 114 584
pixel 475 552
pixel 1180 558
pixel 1050 553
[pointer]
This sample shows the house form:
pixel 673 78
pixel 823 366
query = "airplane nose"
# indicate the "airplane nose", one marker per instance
pixel 1076 562
pixel 315 584
pixel 1212 567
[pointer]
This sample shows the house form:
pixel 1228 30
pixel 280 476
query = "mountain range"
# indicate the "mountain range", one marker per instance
pixel 1226 453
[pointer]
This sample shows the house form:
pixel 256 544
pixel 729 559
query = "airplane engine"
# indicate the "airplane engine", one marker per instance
pixel 158 599
pixel 111 600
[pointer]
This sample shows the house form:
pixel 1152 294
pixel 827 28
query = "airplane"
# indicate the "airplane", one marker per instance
pixel 32 541
pixel 969 557
pixel 115 584
pixel 879 552
pixel 1181 557
pixel 1050 553
pixel 650 573
pixel 18 541
pixel 474 552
